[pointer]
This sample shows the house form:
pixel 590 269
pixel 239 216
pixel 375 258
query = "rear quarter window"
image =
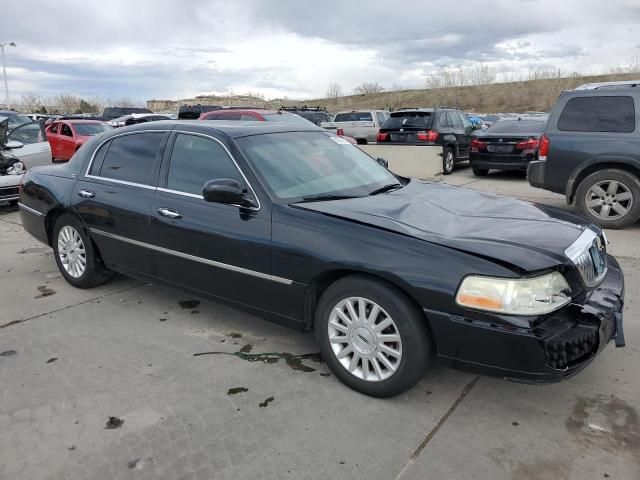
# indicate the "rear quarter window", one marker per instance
pixel 598 114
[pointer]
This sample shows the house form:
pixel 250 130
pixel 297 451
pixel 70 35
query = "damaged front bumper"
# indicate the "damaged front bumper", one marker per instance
pixel 556 347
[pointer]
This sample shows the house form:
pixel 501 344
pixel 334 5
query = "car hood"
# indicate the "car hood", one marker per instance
pixel 521 234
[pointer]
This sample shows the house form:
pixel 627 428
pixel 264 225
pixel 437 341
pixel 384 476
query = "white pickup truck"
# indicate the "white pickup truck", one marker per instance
pixel 363 125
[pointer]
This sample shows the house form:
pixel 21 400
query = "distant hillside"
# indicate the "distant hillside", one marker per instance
pixel 537 95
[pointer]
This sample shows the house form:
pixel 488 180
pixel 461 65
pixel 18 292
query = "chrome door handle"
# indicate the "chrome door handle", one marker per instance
pixel 167 212
pixel 86 193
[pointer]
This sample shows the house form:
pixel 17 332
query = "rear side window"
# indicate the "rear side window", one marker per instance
pixel 130 158
pixel 196 160
pixel 598 114
pixel 353 117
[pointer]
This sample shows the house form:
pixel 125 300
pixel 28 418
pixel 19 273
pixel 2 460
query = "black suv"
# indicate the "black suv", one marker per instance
pixel 315 115
pixel 446 126
pixel 590 151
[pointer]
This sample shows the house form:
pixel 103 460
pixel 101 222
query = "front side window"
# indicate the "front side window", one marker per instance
pixel 598 114
pixel 195 160
pixel 300 165
pixel 54 128
pixel 445 120
pixel 466 123
pixel 131 158
pixel 381 117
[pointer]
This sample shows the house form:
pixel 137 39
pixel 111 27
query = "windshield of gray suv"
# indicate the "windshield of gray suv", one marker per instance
pixel 309 165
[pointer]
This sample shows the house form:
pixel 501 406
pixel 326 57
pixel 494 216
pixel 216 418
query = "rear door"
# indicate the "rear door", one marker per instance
pixel 114 196
pixel 36 150
pixel 220 250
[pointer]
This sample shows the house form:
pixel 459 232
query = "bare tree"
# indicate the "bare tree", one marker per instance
pixel 334 91
pixel 480 74
pixel 368 88
pixel 31 102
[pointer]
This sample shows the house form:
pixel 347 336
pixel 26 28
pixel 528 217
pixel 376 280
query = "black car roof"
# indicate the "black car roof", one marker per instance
pixel 230 128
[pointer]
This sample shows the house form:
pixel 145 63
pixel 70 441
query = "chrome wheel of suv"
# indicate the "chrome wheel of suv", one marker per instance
pixel 365 339
pixel 609 200
pixel 448 161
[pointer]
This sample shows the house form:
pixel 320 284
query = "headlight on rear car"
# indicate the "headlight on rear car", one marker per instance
pixel 527 296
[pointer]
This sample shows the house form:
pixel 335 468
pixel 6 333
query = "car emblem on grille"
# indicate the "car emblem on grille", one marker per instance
pixel 402 129
pixel 500 140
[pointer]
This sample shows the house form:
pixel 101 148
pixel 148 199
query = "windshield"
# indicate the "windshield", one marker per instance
pixel 409 119
pixel 353 117
pixel 15 120
pixel 286 118
pixel 516 126
pixel 90 129
pixel 297 165
pixel 28 134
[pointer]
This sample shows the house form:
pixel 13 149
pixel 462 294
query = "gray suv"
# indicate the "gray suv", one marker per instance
pixel 590 151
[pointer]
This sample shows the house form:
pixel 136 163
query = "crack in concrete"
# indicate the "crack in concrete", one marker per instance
pixel 16 322
pixel 416 453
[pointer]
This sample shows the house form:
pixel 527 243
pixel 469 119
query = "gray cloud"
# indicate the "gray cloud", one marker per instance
pixel 145 48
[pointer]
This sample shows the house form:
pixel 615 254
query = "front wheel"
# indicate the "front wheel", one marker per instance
pixel 610 197
pixel 75 255
pixel 448 160
pixel 371 336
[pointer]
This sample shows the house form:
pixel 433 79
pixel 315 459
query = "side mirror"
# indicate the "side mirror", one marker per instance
pixel 382 162
pixel 227 191
pixel 11 144
pixel 477 126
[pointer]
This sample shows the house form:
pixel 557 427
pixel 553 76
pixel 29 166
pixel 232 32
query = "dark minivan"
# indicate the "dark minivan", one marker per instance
pixel 446 126
pixel 590 151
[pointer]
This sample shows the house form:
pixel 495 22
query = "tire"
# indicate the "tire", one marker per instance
pixel 616 189
pixel 480 172
pixel 412 353
pixel 448 160
pixel 13 203
pixel 68 230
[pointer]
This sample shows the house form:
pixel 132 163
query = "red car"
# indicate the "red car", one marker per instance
pixel 67 136
pixel 261 115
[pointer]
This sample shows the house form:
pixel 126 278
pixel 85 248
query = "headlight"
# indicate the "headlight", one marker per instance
pixel 16 169
pixel 528 296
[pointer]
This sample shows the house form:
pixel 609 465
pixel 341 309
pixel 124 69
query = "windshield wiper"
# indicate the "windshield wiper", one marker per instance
pixel 387 188
pixel 322 198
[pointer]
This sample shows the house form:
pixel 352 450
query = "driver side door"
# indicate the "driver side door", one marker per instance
pixel 215 249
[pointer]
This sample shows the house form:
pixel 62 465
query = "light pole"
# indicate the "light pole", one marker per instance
pixel 4 72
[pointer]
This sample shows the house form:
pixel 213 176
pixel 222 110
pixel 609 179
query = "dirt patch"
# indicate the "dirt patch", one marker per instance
pixel 247 348
pixel 266 402
pixel 189 304
pixel 295 362
pixel 113 422
pixel 32 250
pixel 7 353
pixel 234 335
pixel 45 291
pixel 236 390
pixel 53 359
pixel 607 422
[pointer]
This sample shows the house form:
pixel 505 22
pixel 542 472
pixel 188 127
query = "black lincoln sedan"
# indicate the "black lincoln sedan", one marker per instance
pixel 508 144
pixel 296 225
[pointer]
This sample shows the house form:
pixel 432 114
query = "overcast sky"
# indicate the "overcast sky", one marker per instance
pixel 146 49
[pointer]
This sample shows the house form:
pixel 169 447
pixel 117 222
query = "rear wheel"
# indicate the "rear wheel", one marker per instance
pixel 480 172
pixel 75 255
pixel 371 336
pixel 610 198
pixel 448 160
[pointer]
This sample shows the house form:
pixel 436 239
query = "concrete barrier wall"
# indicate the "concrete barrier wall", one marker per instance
pixel 409 161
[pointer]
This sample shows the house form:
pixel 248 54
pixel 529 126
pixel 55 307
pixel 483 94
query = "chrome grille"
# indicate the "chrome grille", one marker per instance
pixel 588 254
